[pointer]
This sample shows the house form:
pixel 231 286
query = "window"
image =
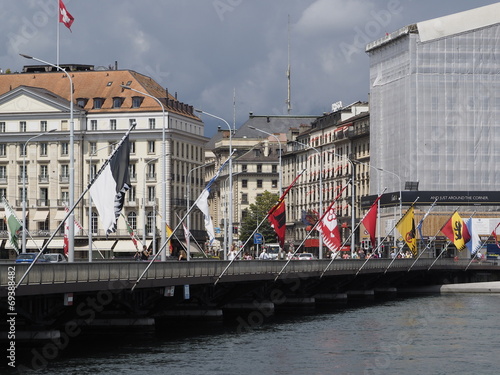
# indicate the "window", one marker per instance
pixel 259 184
pixel 22 126
pixel 3 149
pixel 64 149
pixel 244 183
pixel 112 124
pixel 65 170
pixel 131 194
pixel 151 171
pixel 131 122
pixel 132 147
pixel 117 102
pixel 244 167
pixel 93 124
pixel 22 149
pixel 98 103
pixel 274 183
pixel 22 171
pixel 274 168
pixel 132 220
pixel 150 223
pixel 3 193
pixel 2 127
pixel 23 197
pixel 43 149
pixel 131 171
pixel 152 123
pixel 259 168
pixel 43 126
pixel 65 196
pixel 44 172
pixel 81 102
pixel 3 174
pixel 151 193
pixel 44 197
pixel 93 170
pixel 92 148
pixel 151 147
pixel 136 101
pixel 95 223
pixel 244 198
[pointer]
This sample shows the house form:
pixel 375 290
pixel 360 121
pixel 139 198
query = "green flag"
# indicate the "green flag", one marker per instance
pixel 13 225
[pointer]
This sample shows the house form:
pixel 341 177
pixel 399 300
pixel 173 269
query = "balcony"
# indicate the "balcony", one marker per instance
pixel 151 177
pixel 3 180
pixel 42 202
pixel 22 179
pixel 43 179
pixel 64 179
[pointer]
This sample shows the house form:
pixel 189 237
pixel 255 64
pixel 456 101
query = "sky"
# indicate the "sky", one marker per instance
pixel 225 57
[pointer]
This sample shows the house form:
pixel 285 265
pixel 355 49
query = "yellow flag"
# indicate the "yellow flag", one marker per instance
pixel 406 227
pixel 169 233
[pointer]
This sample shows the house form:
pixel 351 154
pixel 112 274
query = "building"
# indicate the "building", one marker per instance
pixel 37 101
pixel 434 115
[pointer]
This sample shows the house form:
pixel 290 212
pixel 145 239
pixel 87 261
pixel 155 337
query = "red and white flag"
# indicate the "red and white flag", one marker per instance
pixel 330 231
pixel 65 16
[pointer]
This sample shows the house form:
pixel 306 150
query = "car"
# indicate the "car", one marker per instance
pixel 55 257
pixel 30 257
pixel 306 256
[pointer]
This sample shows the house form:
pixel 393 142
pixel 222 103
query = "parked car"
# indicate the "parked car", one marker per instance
pixel 55 257
pixel 30 257
pixel 306 256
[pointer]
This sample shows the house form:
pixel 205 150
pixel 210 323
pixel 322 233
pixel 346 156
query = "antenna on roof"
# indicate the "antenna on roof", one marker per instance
pixel 289 99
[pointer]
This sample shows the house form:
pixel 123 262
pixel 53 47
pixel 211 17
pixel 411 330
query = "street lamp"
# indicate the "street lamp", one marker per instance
pixel 230 235
pixel 25 177
pixel 165 203
pixel 320 255
pixel 281 167
pixel 71 231
pixel 400 190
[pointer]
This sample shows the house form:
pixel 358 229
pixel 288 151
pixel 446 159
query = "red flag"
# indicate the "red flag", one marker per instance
pixel 370 220
pixel 65 16
pixel 494 235
pixel 66 240
pixel 330 231
pixel 277 219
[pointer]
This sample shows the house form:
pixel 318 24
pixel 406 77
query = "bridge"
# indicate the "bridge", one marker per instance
pixel 97 293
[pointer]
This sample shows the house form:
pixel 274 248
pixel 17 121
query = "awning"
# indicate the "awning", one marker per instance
pixel 34 244
pixel 55 244
pixel 60 215
pixel 125 246
pixel 41 215
pixel 103 245
pixel 193 248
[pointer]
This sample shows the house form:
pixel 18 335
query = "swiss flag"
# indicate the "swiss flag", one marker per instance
pixel 65 16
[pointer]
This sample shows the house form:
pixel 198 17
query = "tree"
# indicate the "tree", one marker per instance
pixel 255 214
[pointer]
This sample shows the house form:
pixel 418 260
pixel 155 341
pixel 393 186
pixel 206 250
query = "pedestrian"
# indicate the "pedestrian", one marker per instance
pixel 289 255
pixel 182 255
pixel 145 253
pixel 263 255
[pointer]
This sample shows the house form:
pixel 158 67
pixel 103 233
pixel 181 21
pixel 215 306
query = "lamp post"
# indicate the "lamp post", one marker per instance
pixel 25 177
pixel 320 255
pixel 71 231
pixel 166 167
pixel 281 167
pixel 353 200
pixel 230 235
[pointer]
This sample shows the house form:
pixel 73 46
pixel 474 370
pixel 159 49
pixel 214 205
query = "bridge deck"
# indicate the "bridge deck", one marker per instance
pixel 109 275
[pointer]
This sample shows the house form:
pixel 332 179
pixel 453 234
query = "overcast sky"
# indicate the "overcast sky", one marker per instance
pixel 207 50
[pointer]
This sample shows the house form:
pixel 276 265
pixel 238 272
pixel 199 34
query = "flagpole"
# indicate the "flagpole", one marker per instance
pixel 70 211
pixel 314 226
pixel 258 226
pixel 57 39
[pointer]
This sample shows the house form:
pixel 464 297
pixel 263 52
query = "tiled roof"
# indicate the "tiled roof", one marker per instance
pixel 99 84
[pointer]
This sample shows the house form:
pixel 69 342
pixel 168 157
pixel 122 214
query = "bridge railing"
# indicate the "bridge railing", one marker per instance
pixel 84 272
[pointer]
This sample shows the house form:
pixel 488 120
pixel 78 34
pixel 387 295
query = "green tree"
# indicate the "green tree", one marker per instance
pixel 255 214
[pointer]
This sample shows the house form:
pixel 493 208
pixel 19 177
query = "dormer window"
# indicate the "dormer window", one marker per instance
pixel 137 101
pixel 98 102
pixel 117 102
pixel 81 102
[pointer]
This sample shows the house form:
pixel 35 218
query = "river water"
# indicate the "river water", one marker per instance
pixel 445 334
